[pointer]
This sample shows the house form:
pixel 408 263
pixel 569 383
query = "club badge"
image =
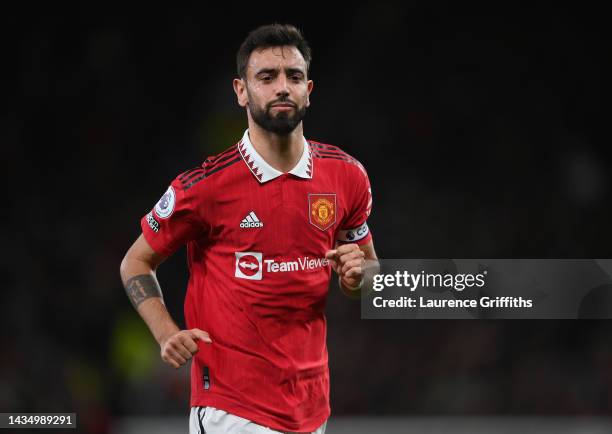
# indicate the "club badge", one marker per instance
pixel 322 210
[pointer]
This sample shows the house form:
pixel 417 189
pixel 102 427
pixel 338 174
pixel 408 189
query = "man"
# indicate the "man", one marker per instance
pixel 262 221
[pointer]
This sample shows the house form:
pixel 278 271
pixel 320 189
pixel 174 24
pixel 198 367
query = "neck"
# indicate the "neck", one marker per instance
pixel 280 151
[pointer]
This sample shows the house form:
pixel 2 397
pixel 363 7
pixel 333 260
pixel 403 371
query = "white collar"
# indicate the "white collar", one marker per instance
pixel 263 171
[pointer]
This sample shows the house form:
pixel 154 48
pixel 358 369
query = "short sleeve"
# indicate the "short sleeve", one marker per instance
pixel 354 227
pixel 173 221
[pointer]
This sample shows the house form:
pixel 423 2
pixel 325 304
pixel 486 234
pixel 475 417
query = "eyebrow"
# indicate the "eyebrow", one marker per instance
pixel 274 70
pixel 294 70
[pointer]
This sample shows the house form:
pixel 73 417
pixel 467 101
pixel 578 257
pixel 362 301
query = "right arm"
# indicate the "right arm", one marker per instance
pixel 140 282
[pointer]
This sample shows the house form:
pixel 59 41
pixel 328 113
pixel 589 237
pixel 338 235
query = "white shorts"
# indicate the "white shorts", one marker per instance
pixel 210 420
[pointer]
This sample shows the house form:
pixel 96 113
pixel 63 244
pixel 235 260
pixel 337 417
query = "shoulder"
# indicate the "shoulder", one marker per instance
pixel 202 174
pixel 334 155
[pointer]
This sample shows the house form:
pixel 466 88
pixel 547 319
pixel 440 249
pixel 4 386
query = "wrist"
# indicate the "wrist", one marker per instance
pixel 167 334
pixel 345 285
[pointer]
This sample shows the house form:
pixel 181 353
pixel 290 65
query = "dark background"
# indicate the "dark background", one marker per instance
pixel 485 134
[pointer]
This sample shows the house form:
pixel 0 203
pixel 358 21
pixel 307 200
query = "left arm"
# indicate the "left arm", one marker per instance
pixel 354 258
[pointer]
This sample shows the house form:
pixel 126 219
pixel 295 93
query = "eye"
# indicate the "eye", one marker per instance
pixel 265 78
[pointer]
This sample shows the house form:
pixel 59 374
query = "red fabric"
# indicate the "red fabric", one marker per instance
pixel 268 359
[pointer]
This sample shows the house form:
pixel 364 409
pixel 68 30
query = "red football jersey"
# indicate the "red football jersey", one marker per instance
pixel 256 241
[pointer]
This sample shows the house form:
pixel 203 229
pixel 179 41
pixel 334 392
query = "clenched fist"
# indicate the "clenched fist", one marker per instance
pixel 348 261
pixel 181 346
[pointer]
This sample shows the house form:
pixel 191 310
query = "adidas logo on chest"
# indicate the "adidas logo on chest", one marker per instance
pixel 251 221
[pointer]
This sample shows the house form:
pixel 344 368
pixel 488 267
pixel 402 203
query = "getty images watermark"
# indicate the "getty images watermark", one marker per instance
pixel 456 282
pixel 488 288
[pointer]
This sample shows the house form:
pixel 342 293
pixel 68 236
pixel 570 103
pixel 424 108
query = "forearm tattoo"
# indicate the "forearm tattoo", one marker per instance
pixel 139 288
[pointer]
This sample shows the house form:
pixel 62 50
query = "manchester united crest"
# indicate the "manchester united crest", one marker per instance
pixel 322 210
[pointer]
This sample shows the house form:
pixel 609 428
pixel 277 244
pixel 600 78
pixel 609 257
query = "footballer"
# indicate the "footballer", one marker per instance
pixel 264 223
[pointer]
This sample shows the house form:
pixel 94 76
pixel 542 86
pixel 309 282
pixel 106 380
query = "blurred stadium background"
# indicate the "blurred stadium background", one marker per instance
pixel 485 135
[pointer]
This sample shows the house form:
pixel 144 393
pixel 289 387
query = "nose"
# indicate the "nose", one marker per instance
pixel 283 89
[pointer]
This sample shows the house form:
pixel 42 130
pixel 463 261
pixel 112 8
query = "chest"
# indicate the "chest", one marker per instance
pixel 284 216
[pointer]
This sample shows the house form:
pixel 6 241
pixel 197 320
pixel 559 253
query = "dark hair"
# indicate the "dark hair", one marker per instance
pixel 271 35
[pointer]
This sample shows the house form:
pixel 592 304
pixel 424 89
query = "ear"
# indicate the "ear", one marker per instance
pixel 241 93
pixel 309 86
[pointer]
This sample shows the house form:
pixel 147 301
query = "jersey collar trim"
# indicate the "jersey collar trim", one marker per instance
pixel 263 171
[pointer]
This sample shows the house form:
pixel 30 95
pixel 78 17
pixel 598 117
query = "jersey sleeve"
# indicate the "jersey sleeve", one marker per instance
pixel 354 228
pixel 173 221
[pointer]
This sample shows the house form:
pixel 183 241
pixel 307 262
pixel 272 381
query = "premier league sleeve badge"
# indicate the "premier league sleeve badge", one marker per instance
pixel 165 206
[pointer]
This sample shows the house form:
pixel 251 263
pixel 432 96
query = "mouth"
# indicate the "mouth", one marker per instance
pixel 285 105
pixel 286 109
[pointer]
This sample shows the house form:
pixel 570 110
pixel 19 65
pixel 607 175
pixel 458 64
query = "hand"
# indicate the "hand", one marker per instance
pixel 181 346
pixel 348 261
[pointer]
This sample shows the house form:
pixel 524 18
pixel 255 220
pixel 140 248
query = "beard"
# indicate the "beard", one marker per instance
pixel 283 123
